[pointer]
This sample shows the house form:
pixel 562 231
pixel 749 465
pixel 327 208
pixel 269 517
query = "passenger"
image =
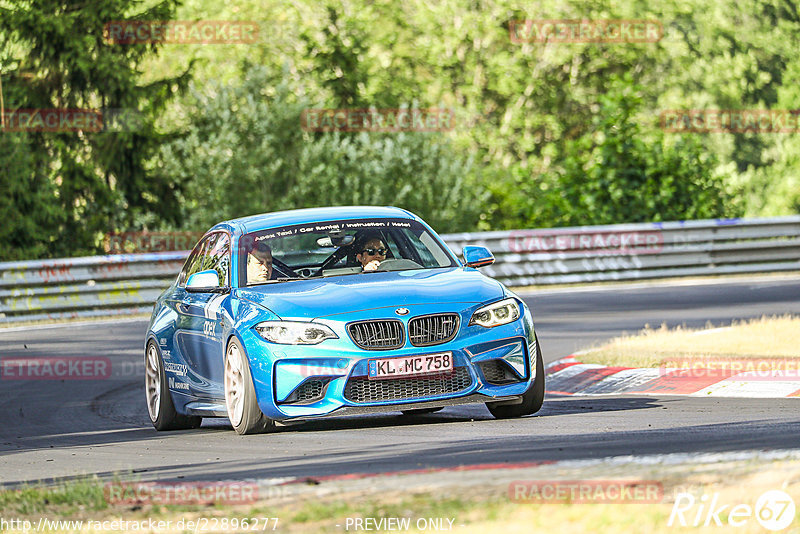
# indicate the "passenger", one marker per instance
pixel 372 254
pixel 259 263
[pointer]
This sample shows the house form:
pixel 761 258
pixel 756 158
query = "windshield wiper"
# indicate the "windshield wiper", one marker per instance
pixel 341 274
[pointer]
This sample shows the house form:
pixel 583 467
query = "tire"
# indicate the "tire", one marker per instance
pixel 240 395
pixel 160 407
pixel 422 411
pixel 531 400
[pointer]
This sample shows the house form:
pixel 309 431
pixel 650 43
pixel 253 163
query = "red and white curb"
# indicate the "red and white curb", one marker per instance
pixel 568 376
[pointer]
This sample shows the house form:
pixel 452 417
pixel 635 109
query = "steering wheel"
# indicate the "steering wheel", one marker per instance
pixel 397 264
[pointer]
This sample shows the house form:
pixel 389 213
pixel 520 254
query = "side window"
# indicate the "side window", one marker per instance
pixel 218 258
pixel 188 263
pixel 195 262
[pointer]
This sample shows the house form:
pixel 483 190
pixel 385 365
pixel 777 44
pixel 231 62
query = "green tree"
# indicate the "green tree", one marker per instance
pixel 614 173
pixel 528 115
pixel 29 203
pixel 55 57
pixel 521 106
pixel 339 54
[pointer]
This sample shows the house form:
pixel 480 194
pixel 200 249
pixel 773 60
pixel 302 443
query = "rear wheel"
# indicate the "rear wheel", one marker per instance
pixel 532 399
pixel 240 395
pixel 159 400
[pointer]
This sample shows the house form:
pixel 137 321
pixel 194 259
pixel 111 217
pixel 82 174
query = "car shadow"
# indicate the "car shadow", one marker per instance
pixel 552 406
pixel 135 426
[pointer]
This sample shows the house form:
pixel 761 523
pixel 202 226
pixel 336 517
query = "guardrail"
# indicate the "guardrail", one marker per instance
pixel 121 284
pixel 639 251
pixel 129 283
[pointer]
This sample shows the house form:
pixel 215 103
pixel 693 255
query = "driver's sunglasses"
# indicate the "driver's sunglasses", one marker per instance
pixel 375 251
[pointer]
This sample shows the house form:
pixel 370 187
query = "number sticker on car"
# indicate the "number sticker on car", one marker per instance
pixel 411 365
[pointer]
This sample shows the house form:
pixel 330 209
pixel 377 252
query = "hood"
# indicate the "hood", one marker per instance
pixel 320 297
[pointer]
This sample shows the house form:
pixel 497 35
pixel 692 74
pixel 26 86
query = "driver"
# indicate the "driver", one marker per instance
pixel 259 263
pixel 372 254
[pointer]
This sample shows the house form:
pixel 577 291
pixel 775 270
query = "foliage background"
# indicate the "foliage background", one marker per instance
pixel 547 134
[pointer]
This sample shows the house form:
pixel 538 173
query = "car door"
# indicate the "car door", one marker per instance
pixel 199 331
pixel 210 359
pixel 180 345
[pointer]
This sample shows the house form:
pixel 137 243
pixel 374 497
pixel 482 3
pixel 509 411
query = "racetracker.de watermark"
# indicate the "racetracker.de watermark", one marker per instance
pixel 585 31
pixel 56 368
pixel 166 493
pixel 730 120
pixel 378 120
pixel 71 120
pixel 136 242
pixel 149 525
pixel 52 120
pixel 768 369
pixel 133 32
pixel 586 491
pixel 586 242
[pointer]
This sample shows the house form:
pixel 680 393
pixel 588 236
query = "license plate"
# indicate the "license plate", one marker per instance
pixel 411 365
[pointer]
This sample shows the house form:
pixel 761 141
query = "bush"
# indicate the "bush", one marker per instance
pixel 244 152
pixel 615 173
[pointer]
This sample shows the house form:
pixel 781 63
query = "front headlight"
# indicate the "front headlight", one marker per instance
pixel 503 312
pixel 294 332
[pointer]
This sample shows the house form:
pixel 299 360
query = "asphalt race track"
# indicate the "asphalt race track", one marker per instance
pixel 65 428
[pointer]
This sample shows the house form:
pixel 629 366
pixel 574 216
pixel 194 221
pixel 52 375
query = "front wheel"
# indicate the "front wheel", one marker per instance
pixel 159 400
pixel 240 395
pixel 532 399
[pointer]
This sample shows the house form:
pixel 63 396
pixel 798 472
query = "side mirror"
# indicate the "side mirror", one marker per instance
pixel 477 256
pixel 203 282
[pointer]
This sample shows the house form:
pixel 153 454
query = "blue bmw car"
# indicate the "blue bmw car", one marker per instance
pixel 303 314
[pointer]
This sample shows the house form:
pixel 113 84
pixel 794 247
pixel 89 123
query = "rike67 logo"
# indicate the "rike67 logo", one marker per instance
pixel 774 510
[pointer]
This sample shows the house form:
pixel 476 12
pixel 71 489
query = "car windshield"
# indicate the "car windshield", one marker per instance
pixel 337 248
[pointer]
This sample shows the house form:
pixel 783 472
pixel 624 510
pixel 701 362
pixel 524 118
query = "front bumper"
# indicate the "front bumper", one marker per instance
pixel 285 376
pixel 476 398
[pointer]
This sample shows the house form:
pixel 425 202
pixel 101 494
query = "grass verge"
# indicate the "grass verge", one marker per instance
pixel 767 337
pixel 455 502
